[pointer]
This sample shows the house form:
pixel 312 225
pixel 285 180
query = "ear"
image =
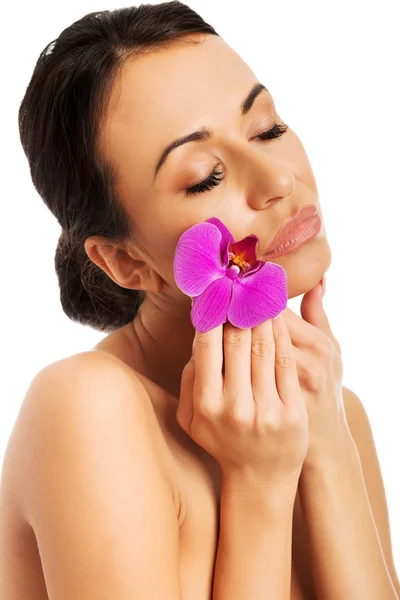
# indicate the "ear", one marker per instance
pixel 121 266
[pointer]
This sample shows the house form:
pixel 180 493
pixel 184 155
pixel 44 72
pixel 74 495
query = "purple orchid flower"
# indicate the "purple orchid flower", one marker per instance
pixel 225 279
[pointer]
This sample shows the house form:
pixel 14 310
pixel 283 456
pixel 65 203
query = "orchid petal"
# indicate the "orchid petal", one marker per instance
pixel 210 308
pixel 253 268
pixel 259 296
pixel 197 261
pixel 227 238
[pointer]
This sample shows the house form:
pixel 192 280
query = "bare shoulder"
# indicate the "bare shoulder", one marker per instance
pixel 85 458
pixel 362 434
pixel 93 397
pixel 352 404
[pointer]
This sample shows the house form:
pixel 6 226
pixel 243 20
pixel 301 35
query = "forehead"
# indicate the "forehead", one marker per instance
pixel 171 92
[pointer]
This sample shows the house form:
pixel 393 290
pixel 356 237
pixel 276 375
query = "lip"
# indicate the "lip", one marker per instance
pixel 296 238
pixel 290 228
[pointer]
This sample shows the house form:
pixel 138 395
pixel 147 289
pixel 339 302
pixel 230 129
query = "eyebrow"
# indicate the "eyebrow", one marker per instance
pixel 205 134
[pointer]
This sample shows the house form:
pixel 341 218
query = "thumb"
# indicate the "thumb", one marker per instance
pixel 185 410
pixel 312 310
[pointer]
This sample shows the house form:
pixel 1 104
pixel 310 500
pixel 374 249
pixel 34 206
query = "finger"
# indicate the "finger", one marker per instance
pixel 237 361
pixel 263 364
pixel 306 335
pixel 302 333
pixel 313 311
pixel 208 366
pixel 287 382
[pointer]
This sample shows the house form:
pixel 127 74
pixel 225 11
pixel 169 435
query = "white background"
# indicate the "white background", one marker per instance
pixel 333 71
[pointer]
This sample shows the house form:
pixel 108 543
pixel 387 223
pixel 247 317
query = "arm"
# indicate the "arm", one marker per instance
pixel 255 544
pixel 94 487
pixel 347 560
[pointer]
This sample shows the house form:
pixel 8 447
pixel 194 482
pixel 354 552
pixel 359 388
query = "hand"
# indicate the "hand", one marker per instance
pixel 240 400
pixel 320 373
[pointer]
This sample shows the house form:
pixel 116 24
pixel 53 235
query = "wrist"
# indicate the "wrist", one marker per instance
pixel 343 455
pixel 277 491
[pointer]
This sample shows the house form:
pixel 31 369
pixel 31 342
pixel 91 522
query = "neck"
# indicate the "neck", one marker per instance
pixel 162 335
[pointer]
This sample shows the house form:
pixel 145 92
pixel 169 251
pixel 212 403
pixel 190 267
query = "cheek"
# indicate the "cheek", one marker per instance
pixel 299 162
pixel 162 245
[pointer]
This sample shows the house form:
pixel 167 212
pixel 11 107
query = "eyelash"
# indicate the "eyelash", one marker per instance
pixel 215 176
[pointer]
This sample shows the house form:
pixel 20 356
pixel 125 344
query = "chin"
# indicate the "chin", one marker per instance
pixel 306 266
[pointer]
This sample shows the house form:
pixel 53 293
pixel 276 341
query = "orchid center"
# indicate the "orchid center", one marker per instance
pixel 239 261
pixel 241 256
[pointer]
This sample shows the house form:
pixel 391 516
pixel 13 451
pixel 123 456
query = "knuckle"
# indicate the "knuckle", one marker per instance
pixel 283 359
pixel 234 336
pixel 315 378
pixel 203 340
pixel 278 424
pixel 270 418
pixel 204 408
pixel 238 415
pixel 274 422
pixel 261 348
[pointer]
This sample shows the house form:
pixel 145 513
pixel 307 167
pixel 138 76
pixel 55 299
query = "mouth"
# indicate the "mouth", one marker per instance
pixel 297 230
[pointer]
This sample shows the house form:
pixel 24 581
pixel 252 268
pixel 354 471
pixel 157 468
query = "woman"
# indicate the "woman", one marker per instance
pixel 120 478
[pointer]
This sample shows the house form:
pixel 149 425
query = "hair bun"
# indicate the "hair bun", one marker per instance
pixel 87 294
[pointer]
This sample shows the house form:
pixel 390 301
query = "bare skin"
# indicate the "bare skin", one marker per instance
pixel 196 489
pixel 198 478
pixel 265 182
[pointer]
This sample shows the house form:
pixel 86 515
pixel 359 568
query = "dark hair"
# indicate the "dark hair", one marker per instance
pixel 59 119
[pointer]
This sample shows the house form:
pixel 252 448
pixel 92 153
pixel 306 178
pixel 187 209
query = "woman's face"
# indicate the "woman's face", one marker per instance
pixel 260 183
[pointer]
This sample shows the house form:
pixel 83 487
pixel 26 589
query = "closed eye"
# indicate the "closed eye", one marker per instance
pixel 215 176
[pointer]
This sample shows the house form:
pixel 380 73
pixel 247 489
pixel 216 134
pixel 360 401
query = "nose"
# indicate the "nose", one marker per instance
pixel 266 178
